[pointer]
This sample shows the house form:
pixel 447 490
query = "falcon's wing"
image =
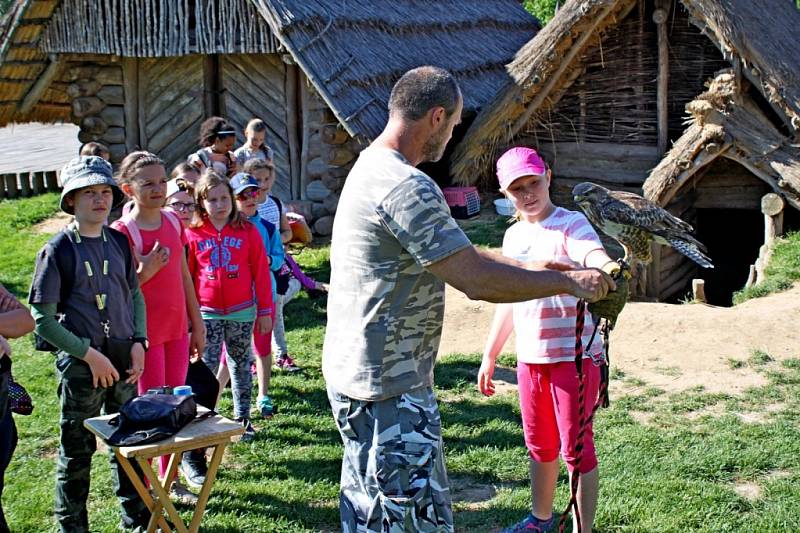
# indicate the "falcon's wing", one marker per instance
pixel 633 210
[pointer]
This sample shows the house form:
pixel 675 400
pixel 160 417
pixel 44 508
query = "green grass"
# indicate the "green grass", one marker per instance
pixel 677 472
pixel 782 271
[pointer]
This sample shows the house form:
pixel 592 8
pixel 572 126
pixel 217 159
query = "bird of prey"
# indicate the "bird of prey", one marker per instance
pixel 636 222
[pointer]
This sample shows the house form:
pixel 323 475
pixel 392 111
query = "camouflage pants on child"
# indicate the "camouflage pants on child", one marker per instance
pixel 393 473
pixel 79 401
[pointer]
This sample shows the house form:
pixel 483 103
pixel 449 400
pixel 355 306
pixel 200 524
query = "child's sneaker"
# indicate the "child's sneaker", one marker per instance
pixel 531 524
pixel 249 431
pixel 194 468
pixel 180 494
pixel 286 363
pixel 266 408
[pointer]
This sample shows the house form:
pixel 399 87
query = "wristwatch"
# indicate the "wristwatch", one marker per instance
pixel 143 341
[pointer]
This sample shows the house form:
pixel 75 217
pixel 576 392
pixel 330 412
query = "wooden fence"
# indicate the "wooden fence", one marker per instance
pixel 26 184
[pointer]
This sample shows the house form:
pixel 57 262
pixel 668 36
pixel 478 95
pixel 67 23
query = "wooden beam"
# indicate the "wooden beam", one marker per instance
pixel 294 117
pixel 40 85
pixel 130 78
pixel 306 136
pixel 662 88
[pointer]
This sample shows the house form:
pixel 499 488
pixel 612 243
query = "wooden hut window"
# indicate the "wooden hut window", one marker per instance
pixel 614 99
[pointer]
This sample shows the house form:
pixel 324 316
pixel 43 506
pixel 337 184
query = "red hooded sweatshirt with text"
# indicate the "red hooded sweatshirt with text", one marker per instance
pixel 229 268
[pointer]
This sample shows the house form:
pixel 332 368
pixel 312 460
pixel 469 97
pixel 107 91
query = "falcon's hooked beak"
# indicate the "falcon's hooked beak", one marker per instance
pixel 578 198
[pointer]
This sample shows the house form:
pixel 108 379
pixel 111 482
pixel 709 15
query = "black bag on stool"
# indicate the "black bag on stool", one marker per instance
pixel 150 418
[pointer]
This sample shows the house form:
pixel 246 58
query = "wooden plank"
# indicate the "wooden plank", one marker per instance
pixel 130 76
pixel 730 198
pixel 37 183
pixel 12 191
pixel 294 116
pixel 168 110
pixel 51 179
pixel 182 145
pixel 606 151
pixel 165 136
pixel 239 112
pixel 141 103
pixel 24 184
pixel 662 78
pixel 262 85
pixel 268 76
pixel 42 82
pixel 614 176
pixel 271 111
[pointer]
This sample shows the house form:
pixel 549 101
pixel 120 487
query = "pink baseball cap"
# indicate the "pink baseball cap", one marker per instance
pixel 517 162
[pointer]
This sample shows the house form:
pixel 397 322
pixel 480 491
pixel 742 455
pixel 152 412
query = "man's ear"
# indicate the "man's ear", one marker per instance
pixel 438 116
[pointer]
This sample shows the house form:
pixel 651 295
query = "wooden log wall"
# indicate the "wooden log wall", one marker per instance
pixel 97 91
pixel 328 154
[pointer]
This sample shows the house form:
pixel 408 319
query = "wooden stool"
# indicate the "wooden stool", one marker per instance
pixel 212 432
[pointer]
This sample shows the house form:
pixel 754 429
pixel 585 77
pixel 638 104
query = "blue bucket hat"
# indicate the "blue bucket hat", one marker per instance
pixel 241 181
pixel 85 171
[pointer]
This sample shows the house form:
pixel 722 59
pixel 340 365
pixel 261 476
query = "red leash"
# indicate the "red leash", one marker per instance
pixel 583 420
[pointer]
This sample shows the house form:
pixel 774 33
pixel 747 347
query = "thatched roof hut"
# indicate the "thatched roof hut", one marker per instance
pixel 146 72
pixel 757 37
pixel 725 122
pixel 602 92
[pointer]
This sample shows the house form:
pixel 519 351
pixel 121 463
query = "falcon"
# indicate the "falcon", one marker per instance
pixel 636 222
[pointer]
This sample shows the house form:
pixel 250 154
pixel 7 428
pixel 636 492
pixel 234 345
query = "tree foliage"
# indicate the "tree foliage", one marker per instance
pixel 543 9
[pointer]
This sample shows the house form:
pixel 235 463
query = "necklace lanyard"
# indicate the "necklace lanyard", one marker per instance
pixel 97 278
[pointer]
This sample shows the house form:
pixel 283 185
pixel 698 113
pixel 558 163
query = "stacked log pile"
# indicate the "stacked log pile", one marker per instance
pixel 328 155
pixel 98 95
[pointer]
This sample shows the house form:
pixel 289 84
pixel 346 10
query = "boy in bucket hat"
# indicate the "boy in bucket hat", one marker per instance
pixel 87 305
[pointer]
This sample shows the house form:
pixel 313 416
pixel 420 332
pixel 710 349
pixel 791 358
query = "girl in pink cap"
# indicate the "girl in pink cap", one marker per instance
pixel 545 340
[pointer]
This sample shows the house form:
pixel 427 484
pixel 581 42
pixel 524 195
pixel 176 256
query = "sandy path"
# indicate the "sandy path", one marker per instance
pixel 673 347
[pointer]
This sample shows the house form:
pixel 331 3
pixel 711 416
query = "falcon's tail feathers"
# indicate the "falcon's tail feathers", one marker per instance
pixel 691 250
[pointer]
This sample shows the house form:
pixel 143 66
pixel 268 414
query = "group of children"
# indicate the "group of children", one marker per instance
pixel 194 269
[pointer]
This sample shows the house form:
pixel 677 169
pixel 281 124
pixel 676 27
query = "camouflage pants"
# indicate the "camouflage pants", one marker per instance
pixel 237 337
pixel 393 473
pixel 79 401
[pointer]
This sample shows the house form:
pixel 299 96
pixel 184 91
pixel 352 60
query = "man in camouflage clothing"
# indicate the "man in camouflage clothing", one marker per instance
pixel 394 245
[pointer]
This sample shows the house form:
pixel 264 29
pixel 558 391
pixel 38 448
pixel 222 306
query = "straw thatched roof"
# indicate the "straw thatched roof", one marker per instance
pixel 727 123
pixel 760 36
pixel 352 52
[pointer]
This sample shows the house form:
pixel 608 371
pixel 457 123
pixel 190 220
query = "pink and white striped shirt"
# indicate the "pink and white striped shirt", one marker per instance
pixel 545 327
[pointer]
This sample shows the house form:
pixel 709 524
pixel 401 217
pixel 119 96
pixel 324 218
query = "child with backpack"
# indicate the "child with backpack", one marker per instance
pixel 87 305
pixel 228 264
pixel 255 146
pixel 546 336
pixel 217 138
pixel 270 207
pixel 168 292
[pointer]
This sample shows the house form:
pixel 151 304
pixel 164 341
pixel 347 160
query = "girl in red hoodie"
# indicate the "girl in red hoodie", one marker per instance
pixel 229 267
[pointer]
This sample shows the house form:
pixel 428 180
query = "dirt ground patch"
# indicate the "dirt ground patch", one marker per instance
pixel 672 347
pixel 53 224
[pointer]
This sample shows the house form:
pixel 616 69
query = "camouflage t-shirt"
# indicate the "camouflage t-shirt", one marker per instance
pixel 385 310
